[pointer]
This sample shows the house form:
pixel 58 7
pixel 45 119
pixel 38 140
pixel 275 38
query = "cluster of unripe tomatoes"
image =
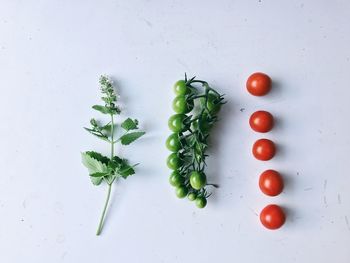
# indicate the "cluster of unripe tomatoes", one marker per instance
pixel 270 181
pixel 196 110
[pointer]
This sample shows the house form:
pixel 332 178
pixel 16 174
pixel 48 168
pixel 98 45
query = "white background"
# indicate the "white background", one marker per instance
pixel 51 55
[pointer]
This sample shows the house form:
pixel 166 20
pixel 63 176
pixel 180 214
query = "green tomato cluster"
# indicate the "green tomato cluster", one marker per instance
pixel 187 151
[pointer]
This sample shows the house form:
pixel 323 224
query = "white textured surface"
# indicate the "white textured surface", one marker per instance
pixel 51 54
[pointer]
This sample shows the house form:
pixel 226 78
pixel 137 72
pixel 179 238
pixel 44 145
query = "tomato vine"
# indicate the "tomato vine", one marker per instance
pixel 197 106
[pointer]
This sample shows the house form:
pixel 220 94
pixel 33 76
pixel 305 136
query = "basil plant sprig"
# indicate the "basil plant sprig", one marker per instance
pixel 107 169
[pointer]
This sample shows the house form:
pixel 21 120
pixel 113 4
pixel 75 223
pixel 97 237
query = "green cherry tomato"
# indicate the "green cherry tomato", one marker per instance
pixel 181 191
pixel 197 180
pixel 175 122
pixel 180 88
pixel 176 179
pixel 173 161
pixel 191 196
pixel 180 105
pixel 201 202
pixel 173 142
pixel 213 103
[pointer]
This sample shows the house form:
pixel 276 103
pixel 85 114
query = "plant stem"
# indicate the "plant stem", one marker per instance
pixel 112 137
pixel 100 225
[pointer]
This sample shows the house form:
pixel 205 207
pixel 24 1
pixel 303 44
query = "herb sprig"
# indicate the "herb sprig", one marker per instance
pixel 108 169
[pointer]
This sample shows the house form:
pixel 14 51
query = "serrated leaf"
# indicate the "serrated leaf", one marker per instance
pixel 96 180
pixel 101 109
pixel 115 163
pixel 117 159
pixel 129 124
pixel 92 164
pixel 130 137
pixel 126 170
pixel 98 156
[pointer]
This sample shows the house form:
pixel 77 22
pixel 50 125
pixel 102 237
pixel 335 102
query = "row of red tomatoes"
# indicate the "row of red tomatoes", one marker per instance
pixel 270 181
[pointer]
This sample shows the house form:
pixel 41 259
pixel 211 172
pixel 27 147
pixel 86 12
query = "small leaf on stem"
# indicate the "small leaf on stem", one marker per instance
pixel 101 109
pixel 129 124
pixel 92 164
pixel 96 180
pixel 130 137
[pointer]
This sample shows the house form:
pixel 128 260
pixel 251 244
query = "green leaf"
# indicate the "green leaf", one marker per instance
pixel 98 156
pixel 101 109
pixel 130 124
pixel 117 159
pixel 108 127
pixel 96 180
pixel 89 130
pixel 104 138
pixel 126 170
pixel 94 162
pixel 93 122
pixel 98 134
pixel 130 137
pixel 98 174
pixel 115 163
pixel 115 110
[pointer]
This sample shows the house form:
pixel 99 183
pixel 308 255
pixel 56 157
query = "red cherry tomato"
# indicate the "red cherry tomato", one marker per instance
pixel 258 84
pixel 264 149
pixel 272 217
pixel 271 183
pixel 261 121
